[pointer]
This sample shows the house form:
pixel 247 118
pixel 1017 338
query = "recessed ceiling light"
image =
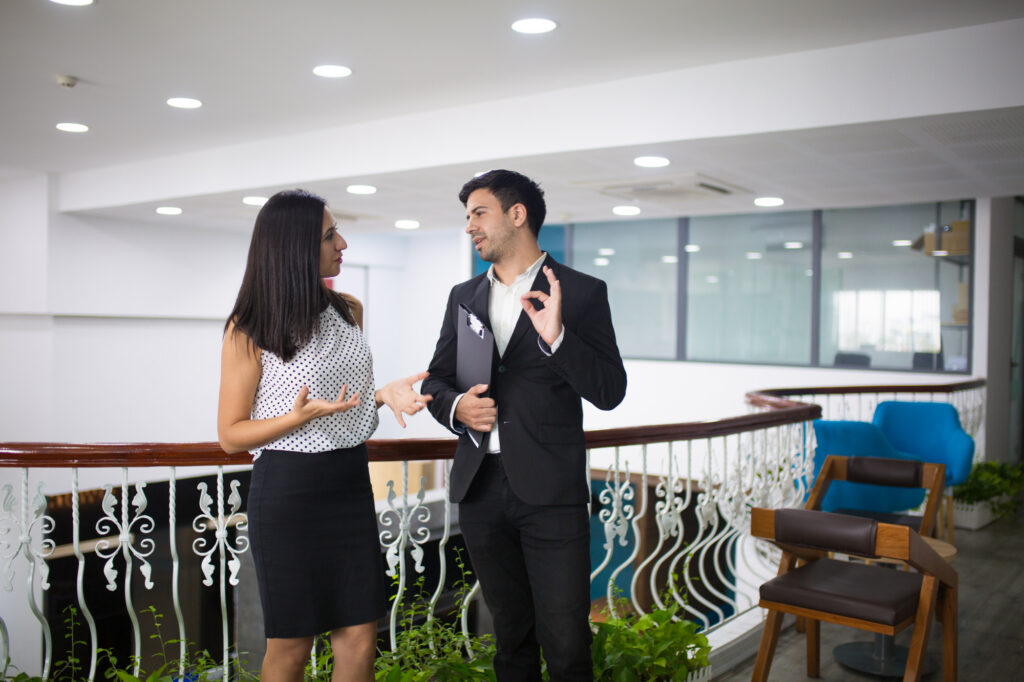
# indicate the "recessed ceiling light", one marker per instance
pixel 332 71
pixel 168 210
pixel 793 245
pixel 691 248
pixel 606 252
pixel 361 189
pixel 809 272
pixel 711 279
pixel 651 161
pixel 845 255
pixel 184 103
pixel 406 224
pixel 768 202
pixel 254 200
pixel 754 255
pixel 73 127
pixel 940 253
pixel 670 259
pixel 534 25
pixel 601 261
pixel 901 242
pixel 73 3
pixel 626 210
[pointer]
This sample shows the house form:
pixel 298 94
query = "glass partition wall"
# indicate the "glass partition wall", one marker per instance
pixel 884 287
pixel 895 287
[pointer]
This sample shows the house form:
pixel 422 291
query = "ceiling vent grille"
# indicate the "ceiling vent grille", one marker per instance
pixel 678 187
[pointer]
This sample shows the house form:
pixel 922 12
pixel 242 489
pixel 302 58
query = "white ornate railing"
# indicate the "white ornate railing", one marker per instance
pixel 670 520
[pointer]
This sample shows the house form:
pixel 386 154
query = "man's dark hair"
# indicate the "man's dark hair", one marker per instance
pixel 511 188
pixel 282 294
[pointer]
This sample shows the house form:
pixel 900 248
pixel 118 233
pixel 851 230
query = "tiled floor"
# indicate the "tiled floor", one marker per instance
pixel 990 564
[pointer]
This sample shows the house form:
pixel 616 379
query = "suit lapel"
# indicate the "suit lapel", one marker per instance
pixel 523 324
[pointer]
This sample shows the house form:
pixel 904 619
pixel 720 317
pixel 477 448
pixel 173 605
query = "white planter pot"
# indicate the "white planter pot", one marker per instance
pixel 702 675
pixel 972 516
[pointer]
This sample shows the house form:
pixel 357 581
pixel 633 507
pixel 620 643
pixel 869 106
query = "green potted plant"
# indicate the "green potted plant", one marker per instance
pixel 992 490
pixel 658 645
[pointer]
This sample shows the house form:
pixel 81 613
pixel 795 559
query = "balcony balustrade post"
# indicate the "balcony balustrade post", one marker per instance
pixel 80 577
pixel 172 529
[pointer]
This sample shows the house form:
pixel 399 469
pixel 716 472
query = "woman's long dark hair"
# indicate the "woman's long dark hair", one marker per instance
pixel 282 294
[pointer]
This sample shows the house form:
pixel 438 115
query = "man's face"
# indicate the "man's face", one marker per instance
pixel 493 230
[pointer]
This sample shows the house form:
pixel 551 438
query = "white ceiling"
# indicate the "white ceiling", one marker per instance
pixel 250 61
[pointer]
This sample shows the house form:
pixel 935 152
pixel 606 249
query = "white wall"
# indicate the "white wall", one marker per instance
pixel 23 243
pixel 993 303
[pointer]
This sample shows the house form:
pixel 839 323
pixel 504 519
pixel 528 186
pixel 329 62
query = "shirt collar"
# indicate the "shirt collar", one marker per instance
pixel 530 272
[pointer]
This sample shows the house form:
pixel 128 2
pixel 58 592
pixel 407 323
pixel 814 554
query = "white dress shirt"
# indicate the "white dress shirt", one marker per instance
pixel 504 309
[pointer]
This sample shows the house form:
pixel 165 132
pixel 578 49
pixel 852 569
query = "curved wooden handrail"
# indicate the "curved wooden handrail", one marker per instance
pixel 56 455
pixel 764 397
pixel 91 455
pixel 782 411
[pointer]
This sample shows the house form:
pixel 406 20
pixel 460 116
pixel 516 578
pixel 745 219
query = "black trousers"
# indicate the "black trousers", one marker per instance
pixel 533 563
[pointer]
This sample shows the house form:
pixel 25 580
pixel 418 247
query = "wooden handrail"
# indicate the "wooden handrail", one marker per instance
pixel 782 411
pixel 55 455
pixel 766 394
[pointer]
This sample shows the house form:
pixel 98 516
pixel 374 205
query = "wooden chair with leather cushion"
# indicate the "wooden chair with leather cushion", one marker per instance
pixel 898 473
pixel 867 597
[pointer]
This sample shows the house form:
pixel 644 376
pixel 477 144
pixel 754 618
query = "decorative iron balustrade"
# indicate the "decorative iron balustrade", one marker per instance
pixel 669 518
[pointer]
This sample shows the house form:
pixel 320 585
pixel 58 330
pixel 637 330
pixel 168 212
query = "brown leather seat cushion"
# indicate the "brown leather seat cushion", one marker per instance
pixel 874 593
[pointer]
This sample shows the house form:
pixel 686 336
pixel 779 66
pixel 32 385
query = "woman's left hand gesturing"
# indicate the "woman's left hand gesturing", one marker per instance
pixel 400 396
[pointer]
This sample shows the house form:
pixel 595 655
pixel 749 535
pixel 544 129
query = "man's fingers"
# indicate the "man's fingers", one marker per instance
pixel 477 390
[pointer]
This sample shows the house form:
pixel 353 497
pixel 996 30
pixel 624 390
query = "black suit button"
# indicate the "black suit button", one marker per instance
pixel 501 369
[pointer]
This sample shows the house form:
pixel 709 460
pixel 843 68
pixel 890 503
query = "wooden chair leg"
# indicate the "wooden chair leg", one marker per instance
pixel 800 624
pixel 813 648
pixel 949 609
pixel 949 519
pixel 766 650
pixel 922 627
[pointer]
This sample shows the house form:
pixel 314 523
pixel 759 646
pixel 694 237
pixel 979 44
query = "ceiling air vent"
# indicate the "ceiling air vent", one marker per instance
pixel 678 187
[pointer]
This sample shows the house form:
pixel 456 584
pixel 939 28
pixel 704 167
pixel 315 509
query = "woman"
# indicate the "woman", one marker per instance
pixel 296 375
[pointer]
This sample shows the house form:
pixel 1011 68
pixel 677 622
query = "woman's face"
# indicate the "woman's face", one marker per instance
pixel 331 246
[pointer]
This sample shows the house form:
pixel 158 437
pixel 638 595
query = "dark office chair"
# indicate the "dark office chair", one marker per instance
pixel 852 360
pixel 866 597
pixel 926 361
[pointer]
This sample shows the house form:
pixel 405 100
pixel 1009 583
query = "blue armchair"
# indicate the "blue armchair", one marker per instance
pixel 929 431
pixel 932 433
pixel 852 438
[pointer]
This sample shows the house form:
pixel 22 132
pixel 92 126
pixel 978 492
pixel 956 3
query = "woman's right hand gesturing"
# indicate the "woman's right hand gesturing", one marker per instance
pixel 307 409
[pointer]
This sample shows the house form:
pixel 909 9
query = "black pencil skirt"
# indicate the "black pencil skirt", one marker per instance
pixel 314 541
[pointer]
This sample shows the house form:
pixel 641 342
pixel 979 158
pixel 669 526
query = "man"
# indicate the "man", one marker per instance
pixel 523 491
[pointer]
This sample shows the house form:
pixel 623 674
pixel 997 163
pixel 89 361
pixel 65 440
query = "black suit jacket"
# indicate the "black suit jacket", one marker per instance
pixel 539 397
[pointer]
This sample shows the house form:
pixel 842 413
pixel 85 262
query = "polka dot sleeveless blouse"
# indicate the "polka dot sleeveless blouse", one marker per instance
pixel 337 354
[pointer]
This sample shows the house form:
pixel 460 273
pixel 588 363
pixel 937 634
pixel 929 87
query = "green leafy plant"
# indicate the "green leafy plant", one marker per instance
pixel 198 664
pixel 435 648
pixel 997 483
pixel 659 645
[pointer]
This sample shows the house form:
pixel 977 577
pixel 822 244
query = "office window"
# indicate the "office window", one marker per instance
pixel 895 286
pixel 749 288
pixel 638 260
